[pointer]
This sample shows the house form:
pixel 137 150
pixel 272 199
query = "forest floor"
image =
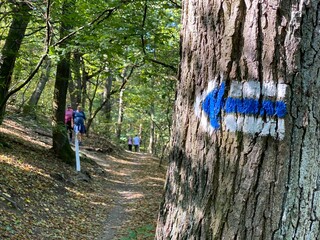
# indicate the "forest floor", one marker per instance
pixel 115 196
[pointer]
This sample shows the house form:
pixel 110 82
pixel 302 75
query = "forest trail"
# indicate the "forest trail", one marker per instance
pixel 130 178
pixel 116 195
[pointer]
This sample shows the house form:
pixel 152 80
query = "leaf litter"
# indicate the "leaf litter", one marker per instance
pixel 43 198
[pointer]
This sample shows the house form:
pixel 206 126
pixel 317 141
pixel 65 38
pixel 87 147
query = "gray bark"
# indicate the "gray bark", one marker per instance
pixel 33 101
pixel 108 106
pixel 245 184
pixel 120 115
pixel 151 147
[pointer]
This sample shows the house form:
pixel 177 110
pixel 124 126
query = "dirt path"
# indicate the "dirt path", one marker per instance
pixel 134 180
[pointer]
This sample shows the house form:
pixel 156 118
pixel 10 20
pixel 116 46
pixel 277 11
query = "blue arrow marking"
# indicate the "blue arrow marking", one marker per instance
pixel 243 106
pixel 214 103
pixel 281 109
pixel 253 106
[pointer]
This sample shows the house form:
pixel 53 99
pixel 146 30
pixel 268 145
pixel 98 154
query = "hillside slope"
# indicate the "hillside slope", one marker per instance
pixel 116 194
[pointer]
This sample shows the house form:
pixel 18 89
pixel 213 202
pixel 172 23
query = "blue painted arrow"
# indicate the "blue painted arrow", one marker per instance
pixel 214 103
pixel 254 106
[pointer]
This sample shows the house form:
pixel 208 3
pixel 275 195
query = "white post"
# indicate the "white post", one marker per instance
pixel 76 142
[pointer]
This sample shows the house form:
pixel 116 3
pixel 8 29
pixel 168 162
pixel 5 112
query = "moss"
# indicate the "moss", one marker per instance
pixel 67 155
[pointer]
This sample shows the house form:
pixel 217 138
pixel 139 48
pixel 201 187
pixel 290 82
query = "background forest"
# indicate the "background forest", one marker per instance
pixel 118 59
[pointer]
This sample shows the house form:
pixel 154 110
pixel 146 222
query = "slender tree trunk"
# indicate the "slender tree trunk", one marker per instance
pixel 157 144
pixel 108 106
pixel 61 144
pixel 143 141
pixel 152 124
pixel 23 97
pixel 34 99
pixel 9 52
pixel 244 160
pixel 90 101
pixel 75 85
pixel 83 86
pixel 152 129
pixel 72 92
pixel 120 115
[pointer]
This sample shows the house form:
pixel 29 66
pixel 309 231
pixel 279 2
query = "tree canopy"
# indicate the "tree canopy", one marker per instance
pixel 112 46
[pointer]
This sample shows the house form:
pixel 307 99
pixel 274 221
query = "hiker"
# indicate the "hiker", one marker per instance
pixel 68 120
pixel 130 143
pixel 136 143
pixel 78 119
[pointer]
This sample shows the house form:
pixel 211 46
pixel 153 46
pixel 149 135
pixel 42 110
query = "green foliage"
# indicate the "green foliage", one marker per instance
pixel 110 36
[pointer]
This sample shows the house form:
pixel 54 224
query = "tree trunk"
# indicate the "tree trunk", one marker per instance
pixel 83 85
pixel 151 137
pixel 75 86
pixel 120 115
pixel 245 142
pixel 34 99
pixel 108 106
pixel 61 144
pixel 152 123
pixel 143 141
pixel 20 20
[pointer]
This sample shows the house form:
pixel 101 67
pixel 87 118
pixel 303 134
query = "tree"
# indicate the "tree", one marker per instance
pixel 125 75
pixel 108 104
pixel 34 99
pixel 75 84
pixel 60 142
pixel 244 160
pixel 20 19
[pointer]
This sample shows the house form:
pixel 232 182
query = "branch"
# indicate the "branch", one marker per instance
pixel 97 20
pixel 96 73
pixel 163 64
pixel 176 5
pixel 34 32
pixel 142 27
pixel 125 80
pixel 143 42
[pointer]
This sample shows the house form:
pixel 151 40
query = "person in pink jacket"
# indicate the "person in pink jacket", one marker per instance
pixel 68 120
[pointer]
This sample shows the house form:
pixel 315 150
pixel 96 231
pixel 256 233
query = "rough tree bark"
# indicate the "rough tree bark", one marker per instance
pixel 245 151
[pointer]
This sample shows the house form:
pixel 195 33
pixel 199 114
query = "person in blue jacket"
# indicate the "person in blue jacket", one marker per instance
pixel 136 143
pixel 79 128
